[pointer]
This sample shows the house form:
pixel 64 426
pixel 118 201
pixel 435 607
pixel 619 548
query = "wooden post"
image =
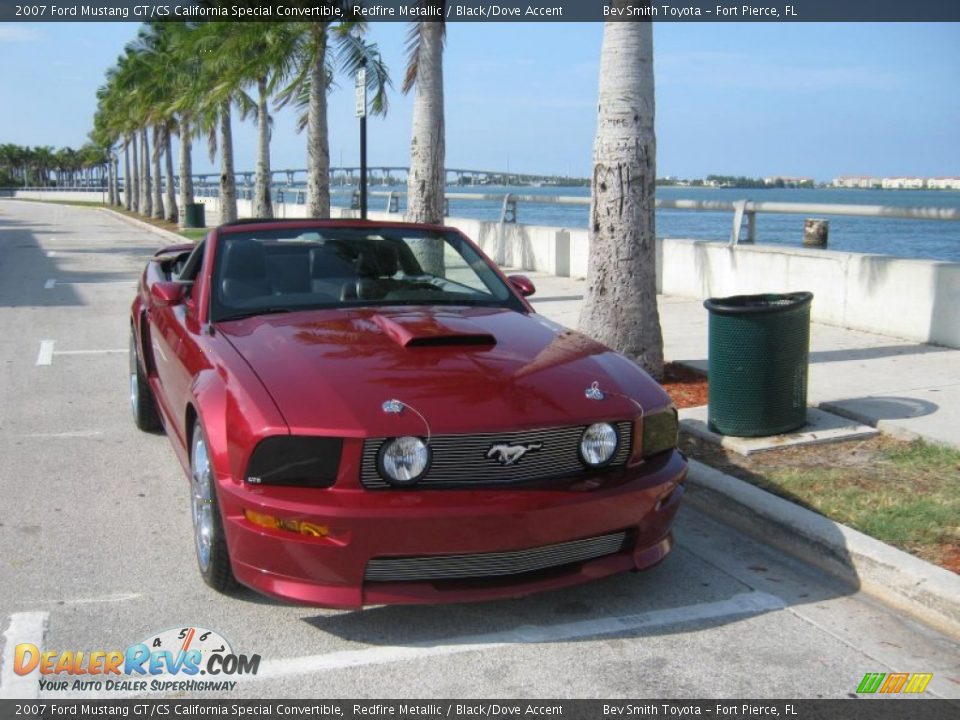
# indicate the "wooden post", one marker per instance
pixel 815 231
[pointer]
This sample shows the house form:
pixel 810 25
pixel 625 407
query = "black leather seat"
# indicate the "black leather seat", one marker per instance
pixel 244 272
pixel 377 265
pixel 331 267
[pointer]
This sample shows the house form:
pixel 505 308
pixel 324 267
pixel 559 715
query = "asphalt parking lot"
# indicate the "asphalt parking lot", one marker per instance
pixel 96 548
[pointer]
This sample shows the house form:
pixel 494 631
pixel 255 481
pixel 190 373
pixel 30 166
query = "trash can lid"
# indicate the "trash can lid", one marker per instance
pixel 758 304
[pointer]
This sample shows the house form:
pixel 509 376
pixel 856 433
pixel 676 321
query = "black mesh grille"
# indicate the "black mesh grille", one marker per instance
pixel 461 460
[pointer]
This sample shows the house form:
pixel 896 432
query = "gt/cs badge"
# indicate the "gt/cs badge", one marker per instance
pixel 510 454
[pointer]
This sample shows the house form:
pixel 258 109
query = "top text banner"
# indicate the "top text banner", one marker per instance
pixel 484 10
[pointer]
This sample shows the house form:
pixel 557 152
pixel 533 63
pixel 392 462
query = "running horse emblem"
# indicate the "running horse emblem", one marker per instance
pixel 510 454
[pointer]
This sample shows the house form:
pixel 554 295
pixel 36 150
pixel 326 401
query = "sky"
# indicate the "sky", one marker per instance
pixel 753 99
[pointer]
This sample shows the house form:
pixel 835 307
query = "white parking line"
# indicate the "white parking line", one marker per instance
pixel 25 627
pixel 114 598
pixel 45 356
pixel 68 434
pixel 111 351
pixel 52 283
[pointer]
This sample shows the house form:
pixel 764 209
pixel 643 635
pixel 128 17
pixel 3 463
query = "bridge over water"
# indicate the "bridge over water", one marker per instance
pixel 390 174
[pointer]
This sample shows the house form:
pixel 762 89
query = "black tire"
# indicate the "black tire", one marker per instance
pixel 210 543
pixel 145 415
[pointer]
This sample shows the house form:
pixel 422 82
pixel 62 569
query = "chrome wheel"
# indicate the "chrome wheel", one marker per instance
pixel 142 406
pixel 134 386
pixel 202 500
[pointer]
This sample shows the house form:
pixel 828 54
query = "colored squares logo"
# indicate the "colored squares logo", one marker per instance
pixel 894 683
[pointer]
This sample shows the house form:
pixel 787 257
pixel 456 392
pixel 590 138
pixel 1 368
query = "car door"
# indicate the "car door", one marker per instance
pixel 176 346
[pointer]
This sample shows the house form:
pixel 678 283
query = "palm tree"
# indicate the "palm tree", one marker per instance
pixel 251 55
pixel 426 177
pixel 157 176
pixel 209 100
pixel 620 301
pixel 146 198
pixel 312 45
pixel 171 214
pixel 425 181
pixel 43 161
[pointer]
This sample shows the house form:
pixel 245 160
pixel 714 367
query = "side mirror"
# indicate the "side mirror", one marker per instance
pixel 522 284
pixel 168 293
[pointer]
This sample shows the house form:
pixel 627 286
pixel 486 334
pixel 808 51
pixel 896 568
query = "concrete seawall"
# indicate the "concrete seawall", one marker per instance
pixel 913 299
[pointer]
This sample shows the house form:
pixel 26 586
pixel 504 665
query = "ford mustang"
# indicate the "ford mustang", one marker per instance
pixel 373 413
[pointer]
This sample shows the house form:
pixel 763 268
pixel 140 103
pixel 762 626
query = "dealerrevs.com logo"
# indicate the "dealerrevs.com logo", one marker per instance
pixel 170 661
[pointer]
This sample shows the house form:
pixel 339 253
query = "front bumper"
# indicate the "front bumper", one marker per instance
pixel 364 525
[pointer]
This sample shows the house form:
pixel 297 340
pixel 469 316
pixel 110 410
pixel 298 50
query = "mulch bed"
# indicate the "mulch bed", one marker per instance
pixel 685 386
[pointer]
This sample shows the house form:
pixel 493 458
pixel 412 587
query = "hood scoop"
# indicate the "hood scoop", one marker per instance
pixel 420 329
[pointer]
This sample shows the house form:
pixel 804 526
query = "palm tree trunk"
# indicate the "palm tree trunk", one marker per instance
pixel 146 199
pixel 115 166
pixel 171 204
pixel 228 181
pixel 620 302
pixel 127 178
pixel 318 144
pixel 186 170
pixel 425 181
pixel 263 206
pixel 157 175
pixel 135 187
pixel 111 178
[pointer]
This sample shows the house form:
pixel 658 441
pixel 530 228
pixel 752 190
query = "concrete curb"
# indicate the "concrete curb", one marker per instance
pixel 929 593
pixel 172 238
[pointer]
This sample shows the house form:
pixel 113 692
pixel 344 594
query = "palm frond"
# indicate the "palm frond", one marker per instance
pixel 414 42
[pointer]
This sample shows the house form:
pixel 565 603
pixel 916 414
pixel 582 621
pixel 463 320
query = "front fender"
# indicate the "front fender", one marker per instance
pixel 236 411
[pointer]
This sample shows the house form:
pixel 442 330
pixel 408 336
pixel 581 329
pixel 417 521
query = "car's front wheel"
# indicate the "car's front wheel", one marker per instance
pixel 211 545
pixel 144 409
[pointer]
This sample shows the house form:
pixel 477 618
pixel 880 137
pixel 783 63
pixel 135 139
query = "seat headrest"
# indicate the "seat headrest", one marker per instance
pixel 244 260
pixel 379 259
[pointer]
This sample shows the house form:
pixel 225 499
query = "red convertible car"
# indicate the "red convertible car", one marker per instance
pixel 372 413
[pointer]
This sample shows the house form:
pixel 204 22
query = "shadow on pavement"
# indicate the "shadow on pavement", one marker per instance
pixel 874 353
pixel 25 267
pixel 871 410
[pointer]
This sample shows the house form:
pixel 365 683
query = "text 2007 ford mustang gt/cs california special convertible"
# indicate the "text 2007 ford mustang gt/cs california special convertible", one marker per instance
pixel 372 413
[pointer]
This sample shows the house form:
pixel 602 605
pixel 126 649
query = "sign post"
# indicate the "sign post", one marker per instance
pixel 361 98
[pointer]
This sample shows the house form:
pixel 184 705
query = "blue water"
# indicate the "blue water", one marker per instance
pixel 929 239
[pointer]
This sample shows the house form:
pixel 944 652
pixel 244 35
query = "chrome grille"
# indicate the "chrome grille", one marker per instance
pixel 451 567
pixel 461 461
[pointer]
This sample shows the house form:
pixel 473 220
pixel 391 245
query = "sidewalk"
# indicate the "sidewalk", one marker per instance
pixel 903 388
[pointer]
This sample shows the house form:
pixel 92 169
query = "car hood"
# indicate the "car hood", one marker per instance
pixel 461 369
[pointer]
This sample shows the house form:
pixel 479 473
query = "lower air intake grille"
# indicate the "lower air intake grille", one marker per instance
pixel 448 567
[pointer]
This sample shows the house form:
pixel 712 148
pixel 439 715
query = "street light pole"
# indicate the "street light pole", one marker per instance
pixel 362 114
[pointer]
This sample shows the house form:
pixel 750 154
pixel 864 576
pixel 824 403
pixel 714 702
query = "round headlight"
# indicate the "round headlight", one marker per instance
pixel 598 444
pixel 403 460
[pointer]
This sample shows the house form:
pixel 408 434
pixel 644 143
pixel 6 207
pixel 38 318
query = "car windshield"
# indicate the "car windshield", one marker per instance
pixel 289 269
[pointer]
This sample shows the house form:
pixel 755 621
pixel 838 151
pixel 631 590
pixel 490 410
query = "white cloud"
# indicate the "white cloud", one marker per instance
pixel 12 34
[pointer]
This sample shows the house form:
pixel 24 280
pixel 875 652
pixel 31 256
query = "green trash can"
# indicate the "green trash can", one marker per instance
pixel 759 349
pixel 194 215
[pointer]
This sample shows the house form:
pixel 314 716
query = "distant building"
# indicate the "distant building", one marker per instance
pixel 791 182
pixel 904 183
pixel 944 183
pixel 857 181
